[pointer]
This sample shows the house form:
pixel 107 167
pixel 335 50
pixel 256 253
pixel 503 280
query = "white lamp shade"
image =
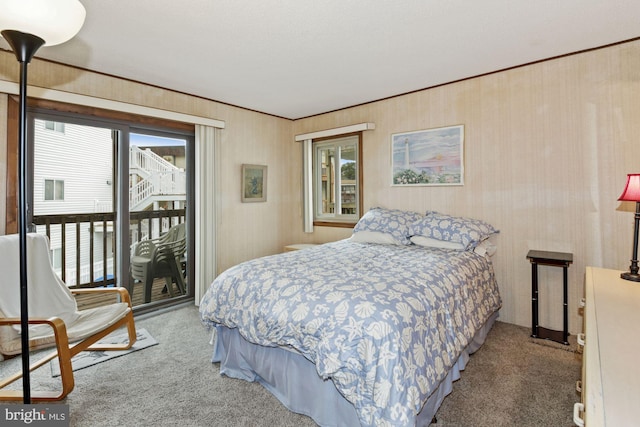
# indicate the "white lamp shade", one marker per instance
pixel 54 21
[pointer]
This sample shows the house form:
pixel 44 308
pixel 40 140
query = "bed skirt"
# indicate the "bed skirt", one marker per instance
pixel 293 379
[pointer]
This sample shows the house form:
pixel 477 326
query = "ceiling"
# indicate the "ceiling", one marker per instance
pixel 298 58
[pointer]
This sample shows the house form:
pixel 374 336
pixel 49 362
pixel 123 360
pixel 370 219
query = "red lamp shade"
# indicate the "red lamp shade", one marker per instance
pixel 631 191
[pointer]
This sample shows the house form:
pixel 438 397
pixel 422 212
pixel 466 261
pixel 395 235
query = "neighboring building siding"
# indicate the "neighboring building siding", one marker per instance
pixel 81 156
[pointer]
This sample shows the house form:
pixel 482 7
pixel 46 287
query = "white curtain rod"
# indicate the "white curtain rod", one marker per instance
pixel 107 104
pixel 335 131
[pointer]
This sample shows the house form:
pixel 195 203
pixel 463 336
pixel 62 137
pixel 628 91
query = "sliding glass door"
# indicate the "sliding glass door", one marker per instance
pixel 158 213
pixel 114 199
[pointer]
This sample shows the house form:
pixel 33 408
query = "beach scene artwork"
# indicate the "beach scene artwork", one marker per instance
pixel 428 157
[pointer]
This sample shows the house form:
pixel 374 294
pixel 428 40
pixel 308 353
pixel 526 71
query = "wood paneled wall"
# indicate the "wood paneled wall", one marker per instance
pixel 547 150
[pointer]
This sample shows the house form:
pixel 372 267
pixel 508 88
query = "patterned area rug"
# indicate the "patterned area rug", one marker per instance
pixel 89 358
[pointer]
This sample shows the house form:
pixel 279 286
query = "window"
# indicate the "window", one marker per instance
pixel 56 257
pixel 54 126
pixel 53 189
pixel 347 185
pixel 336 183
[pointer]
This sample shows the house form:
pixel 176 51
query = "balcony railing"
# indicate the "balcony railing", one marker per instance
pixel 83 245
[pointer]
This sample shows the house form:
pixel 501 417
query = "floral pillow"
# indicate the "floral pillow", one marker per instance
pixel 381 225
pixel 466 231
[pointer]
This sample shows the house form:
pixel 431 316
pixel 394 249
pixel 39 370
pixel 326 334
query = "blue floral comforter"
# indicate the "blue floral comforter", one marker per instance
pixel 383 322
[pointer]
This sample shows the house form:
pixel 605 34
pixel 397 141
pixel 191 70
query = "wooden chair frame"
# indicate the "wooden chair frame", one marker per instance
pixel 65 351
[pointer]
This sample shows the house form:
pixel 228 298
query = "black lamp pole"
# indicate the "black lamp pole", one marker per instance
pixel 24 45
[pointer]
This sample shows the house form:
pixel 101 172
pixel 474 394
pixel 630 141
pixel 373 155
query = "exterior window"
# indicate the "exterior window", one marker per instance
pixel 54 126
pixel 56 257
pixel 53 189
pixel 336 183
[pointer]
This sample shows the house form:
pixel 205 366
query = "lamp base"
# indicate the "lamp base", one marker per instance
pixel 634 277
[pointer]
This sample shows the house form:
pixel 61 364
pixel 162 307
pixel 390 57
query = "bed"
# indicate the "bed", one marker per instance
pixel 370 330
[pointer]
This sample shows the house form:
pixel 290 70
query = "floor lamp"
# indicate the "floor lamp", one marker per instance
pixel 27 25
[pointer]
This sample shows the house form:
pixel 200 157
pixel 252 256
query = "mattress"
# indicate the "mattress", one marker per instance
pixel 293 379
pixel 384 325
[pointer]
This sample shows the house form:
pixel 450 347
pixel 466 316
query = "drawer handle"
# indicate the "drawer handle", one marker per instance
pixel 580 339
pixel 577 408
pixel 583 302
pixel 579 386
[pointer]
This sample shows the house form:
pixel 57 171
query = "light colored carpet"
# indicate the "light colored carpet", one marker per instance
pixel 572 347
pixel 510 381
pixel 89 358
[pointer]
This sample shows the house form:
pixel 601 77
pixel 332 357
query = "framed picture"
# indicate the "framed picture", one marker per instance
pixel 254 183
pixel 428 157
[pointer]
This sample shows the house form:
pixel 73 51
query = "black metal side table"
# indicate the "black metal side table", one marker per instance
pixel 555 259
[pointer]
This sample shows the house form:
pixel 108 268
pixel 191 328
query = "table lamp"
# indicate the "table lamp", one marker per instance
pixel 631 193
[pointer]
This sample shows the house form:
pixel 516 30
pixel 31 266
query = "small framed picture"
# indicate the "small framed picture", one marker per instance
pixel 428 157
pixel 254 183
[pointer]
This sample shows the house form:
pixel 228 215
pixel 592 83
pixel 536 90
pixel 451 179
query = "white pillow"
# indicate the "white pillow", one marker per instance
pixel 486 247
pixel 435 243
pixel 373 237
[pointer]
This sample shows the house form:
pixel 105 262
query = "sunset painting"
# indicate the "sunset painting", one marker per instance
pixel 428 157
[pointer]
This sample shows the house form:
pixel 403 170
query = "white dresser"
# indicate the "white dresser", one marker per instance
pixel 610 370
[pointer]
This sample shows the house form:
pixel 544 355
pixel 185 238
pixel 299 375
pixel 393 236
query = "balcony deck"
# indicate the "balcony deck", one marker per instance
pixel 89 301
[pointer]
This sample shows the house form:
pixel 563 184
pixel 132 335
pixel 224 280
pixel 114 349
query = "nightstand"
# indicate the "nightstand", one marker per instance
pixel 554 259
pixel 298 246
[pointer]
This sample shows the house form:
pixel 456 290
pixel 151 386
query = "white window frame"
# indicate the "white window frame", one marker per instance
pixel 337 144
pixel 56 196
pixel 307 164
pixel 54 126
pixel 56 258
